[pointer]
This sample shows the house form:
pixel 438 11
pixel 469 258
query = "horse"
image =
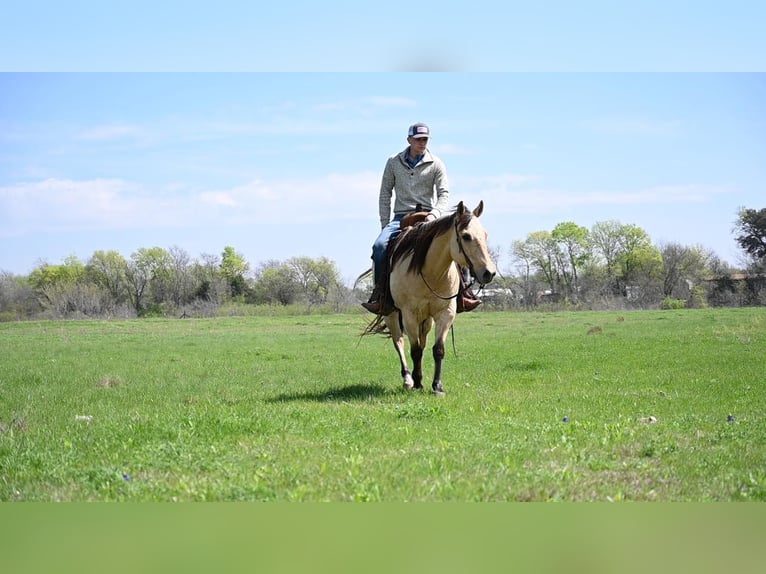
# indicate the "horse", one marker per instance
pixel 425 282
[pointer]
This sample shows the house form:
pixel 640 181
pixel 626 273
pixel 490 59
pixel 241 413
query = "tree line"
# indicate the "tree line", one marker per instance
pixel 167 282
pixel 608 264
pixel 611 265
pixel 617 264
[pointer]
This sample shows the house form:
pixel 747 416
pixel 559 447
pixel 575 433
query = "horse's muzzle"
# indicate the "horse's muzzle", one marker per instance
pixel 485 277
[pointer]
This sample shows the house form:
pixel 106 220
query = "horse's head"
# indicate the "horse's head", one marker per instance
pixel 469 247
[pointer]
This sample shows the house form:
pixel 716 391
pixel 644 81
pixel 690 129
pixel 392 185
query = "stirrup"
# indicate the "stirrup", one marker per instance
pixel 372 306
pixel 379 303
pixel 465 304
pixel 378 308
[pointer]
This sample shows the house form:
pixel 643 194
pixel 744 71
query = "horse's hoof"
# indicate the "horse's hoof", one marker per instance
pixel 438 390
pixel 408 383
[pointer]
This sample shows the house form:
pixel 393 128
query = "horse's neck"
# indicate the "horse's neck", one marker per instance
pixel 438 261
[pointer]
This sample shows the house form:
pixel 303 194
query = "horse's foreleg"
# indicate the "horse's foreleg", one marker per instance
pixel 416 352
pixel 438 350
pixel 406 375
pixel 411 329
pixel 398 339
pixel 442 327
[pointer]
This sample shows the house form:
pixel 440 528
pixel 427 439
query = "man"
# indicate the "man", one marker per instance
pixel 417 180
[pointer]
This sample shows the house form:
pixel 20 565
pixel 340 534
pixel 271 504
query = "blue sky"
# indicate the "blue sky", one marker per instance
pixel 568 121
pixel 286 164
pixel 339 35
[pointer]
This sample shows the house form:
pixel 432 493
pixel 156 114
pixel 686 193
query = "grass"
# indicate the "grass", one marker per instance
pixel 562 407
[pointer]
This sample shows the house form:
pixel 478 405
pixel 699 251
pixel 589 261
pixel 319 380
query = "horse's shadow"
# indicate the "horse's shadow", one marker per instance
pixel 357 392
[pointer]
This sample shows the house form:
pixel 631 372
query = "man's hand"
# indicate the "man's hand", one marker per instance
pixel 414 218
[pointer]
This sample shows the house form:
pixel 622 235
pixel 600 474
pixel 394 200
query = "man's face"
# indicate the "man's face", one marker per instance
pixel 418 145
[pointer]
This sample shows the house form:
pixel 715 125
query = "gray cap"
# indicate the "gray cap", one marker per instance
pixel 419 130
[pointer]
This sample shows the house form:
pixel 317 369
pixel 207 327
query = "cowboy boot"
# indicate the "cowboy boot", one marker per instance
pixel 467 301
pixel 373 304
pixel 379 303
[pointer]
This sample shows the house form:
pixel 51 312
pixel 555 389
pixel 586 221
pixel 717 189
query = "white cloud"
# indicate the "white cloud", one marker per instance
pixel 101 204
pixel 218 198
pixel 111 132
pixel 327 198
pixel 494 183
pixel 452 149
pixel 662 194
pixel 391 101
pixel 330 107
pixel 61 204
pixel 109 204
pixel 511 193
pixel 635 126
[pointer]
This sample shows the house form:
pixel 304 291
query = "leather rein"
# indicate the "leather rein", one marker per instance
pixel 467 259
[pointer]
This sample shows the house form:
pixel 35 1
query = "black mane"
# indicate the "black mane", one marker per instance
pixel 417 240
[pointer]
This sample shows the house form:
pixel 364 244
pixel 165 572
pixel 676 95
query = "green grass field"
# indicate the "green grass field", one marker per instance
pixel 562 407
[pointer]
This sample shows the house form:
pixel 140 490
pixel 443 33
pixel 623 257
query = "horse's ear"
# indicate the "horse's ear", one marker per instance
pixel 460 208
pixel 479 209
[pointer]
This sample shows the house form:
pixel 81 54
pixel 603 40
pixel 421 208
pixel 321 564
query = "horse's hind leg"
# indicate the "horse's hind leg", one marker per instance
pixel 406 375
pixel 442 327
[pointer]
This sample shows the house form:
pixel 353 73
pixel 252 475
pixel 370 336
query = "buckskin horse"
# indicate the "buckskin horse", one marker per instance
pixel 425 282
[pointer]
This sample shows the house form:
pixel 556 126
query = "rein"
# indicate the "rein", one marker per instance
pixel 435 293
pixel 462 250
pixel 467 259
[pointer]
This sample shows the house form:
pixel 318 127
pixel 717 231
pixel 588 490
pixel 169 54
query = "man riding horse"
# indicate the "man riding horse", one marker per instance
pixel 415 177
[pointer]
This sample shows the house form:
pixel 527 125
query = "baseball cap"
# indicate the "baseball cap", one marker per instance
pixel 419 130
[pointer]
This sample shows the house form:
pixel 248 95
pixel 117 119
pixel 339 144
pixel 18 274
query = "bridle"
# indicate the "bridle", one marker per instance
pixel 467 259
pixel 462 250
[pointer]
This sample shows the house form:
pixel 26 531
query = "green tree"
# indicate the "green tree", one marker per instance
pixel 632 263
pixel 233 269
pixel 316 278
pixel 210 286
pixel 66 290
pixel 527 284
pixel 642 274
pixel 635 248
pixel 47 275
pixel 17 297
pixel 605 245
pixel 683 267
pixel 147 267
pixel 540 252
pixel 572 254
pixel 56 285
pixel 276 283
pixel 751 228
pixel 107 270
pixel 182 285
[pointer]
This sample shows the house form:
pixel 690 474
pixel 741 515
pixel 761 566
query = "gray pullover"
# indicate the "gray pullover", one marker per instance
pixel 418 185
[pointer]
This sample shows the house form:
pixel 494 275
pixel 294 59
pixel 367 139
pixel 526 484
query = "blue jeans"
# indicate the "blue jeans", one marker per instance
pixel 388 233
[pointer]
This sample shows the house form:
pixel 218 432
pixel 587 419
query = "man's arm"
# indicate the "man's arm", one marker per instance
pixel 386 192
pixel 441 183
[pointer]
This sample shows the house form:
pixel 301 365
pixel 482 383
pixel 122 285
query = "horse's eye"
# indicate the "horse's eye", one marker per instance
pixel 466 237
